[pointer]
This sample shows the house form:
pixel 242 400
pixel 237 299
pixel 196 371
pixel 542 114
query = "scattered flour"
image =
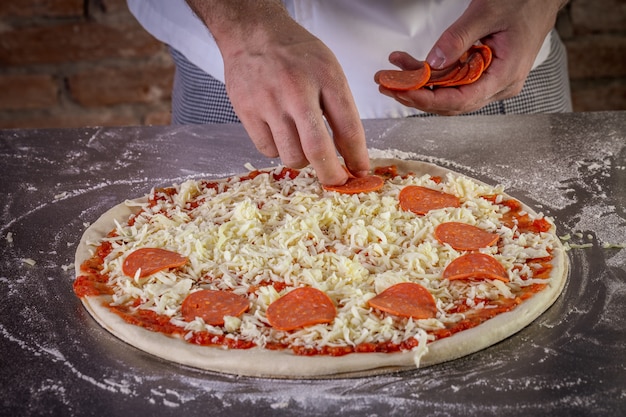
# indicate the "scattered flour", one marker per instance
pixel 598 224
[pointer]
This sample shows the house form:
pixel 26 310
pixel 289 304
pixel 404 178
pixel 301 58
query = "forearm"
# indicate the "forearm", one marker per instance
pixel 234 22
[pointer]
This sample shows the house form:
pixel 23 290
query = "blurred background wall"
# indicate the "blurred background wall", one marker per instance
pixel 75 63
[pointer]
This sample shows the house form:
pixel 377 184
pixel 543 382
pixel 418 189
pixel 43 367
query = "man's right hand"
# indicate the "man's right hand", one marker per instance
pixel 284 83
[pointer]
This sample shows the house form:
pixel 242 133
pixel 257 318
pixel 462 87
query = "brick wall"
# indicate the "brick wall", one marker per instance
pixel 74 63
pixel 594 32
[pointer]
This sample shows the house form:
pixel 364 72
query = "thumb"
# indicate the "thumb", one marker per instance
pixel 455 40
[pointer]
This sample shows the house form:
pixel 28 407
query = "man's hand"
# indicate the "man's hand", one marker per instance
pixel 284 84
pixel 515 31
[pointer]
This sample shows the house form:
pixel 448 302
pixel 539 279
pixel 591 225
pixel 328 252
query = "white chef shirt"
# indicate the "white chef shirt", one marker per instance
pixel 361 34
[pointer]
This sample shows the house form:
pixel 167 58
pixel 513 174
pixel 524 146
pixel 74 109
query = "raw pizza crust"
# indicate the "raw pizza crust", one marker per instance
pixel 284 364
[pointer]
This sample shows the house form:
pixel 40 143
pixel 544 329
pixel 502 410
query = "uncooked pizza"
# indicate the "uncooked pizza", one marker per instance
pixel 272 274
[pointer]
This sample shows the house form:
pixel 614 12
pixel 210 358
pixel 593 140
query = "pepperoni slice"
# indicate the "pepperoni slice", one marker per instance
pixel 444 75
pixel 151 260
pixel 475 66
pixel 406 299
pixel 421 200
pixel 486 53
pixel 211 306
pixel 458 76
pixel 356 185
pixel 404 80
pixel 302 307
pixel 475 265
pixel 462 236
pixel 467 69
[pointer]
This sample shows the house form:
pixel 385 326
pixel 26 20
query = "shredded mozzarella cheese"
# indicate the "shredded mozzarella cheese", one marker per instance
pixel 257 231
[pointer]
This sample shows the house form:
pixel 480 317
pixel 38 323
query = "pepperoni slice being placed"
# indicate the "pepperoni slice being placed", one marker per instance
pixel 302 307
pixel 421 200
pixel 212 306
pixel 406 299
pixel 475 265
pixel 356 185
pixel 462 236
pixel 151 260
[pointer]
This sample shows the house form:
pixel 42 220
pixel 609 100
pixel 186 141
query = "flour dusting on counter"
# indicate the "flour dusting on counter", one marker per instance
pixel 567 362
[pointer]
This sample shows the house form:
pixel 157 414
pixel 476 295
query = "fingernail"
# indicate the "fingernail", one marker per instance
pixel 436 58
pixel 361 173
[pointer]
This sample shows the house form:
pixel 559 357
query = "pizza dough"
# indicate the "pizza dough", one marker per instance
pixel 284 363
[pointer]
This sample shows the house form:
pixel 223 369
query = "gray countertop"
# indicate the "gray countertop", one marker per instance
pixel 55 360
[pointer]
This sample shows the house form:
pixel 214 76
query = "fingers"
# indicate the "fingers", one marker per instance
pixel 319 149
pixel 405 61
pixel 348 133
pixel 261 136
pixel 304 139
pixel 443 101
pixel 293 126
pixel 309 141
pixel 402 60
pixel 284 133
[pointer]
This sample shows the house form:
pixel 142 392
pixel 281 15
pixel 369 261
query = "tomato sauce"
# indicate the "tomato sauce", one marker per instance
pixel 386 172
